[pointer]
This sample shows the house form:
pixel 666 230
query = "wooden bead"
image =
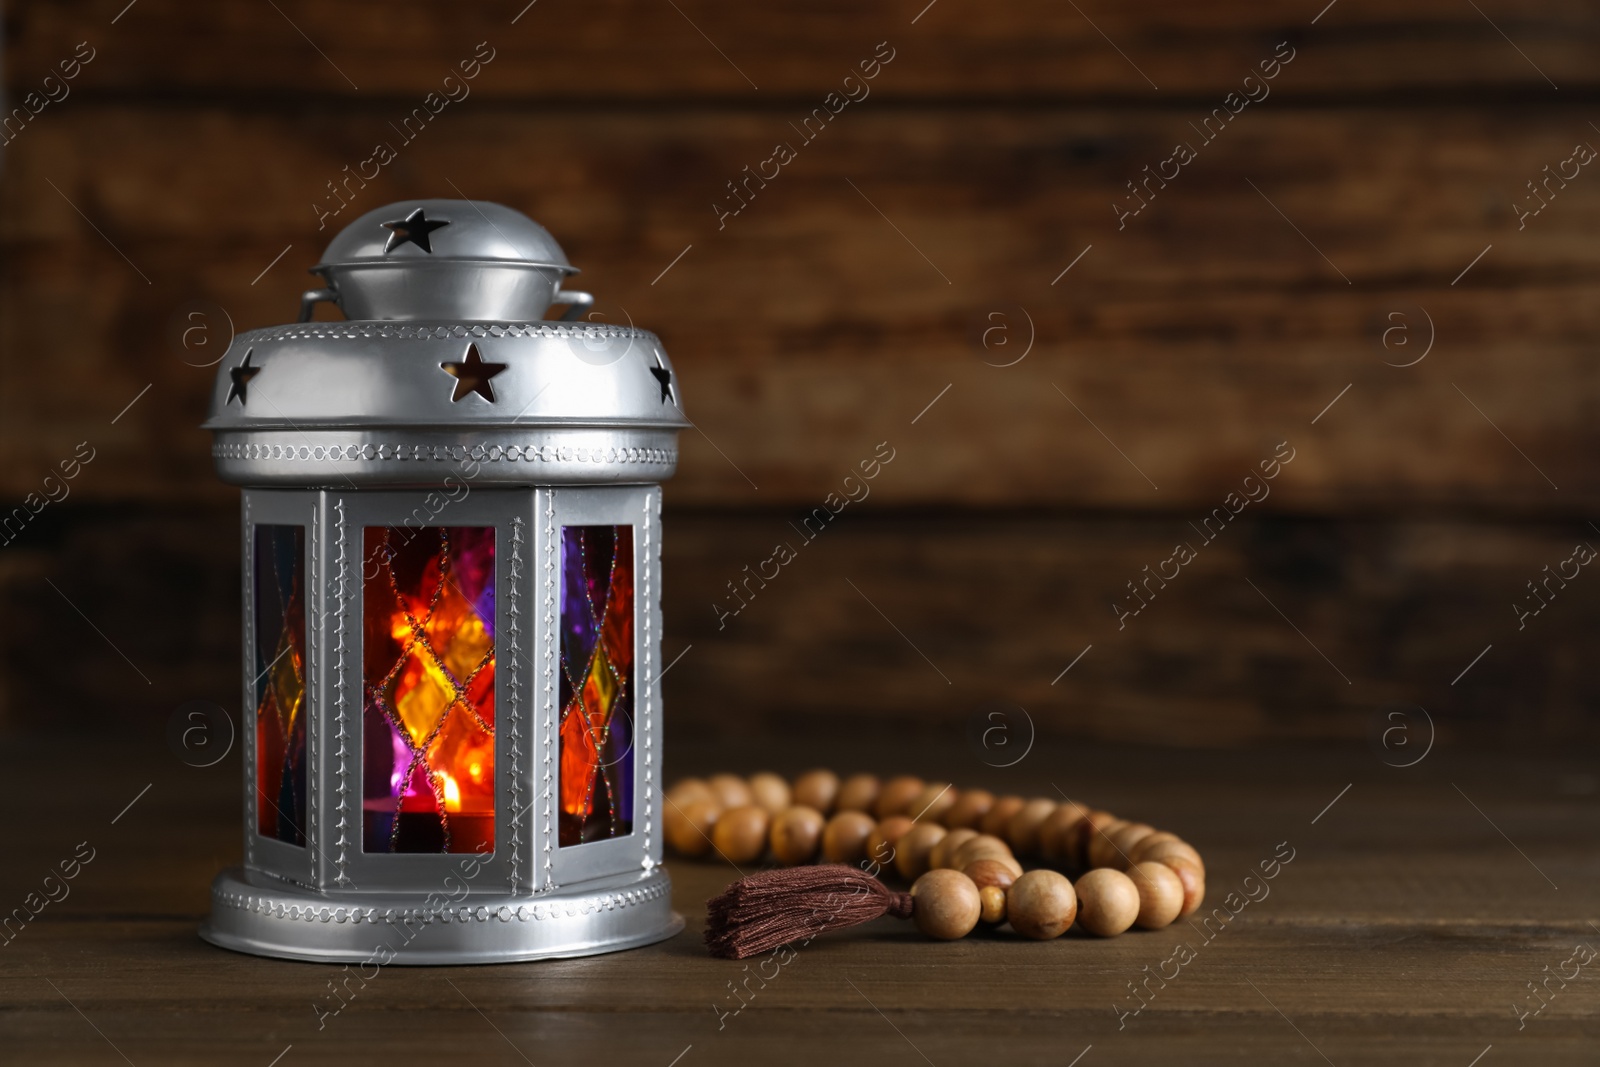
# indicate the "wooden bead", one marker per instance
pixel 1193 877
pixel 896 796
pixel 844 838
pixel 1101 849
pixel 993 899
pixel 769 791
pixel 1077 839
pixel 1053 831
pixel 731 790
pixel 741 834
pixel 1123 842
pixel 796 835
pixel 859 792
pixel 1108 902
pixel 1151 841
pixel 1160 894
pixel 1023 829
pixel 1010 863
pixel 1006 863
pixel 883 842
pixel 817 789
pixel 685 790
pixel 984 846
pixel 947 905
pixel 1167 849
pixel 990 872
pixel 998 817
pixel 931 804
pixel 988 843
pixel 945 849
pixel 1041 904
pixel 971 806
pixel 911 852
pixel 688 828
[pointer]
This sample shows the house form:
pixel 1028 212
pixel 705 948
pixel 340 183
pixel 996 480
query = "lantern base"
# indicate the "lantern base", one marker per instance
pixel 264 916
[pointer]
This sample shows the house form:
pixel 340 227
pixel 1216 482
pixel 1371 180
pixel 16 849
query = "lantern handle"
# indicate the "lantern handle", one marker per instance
pixel 312 297
pixel 579 303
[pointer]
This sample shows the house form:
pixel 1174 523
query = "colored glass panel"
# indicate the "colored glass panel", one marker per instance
pixel 596 683
pixel 280 682
pixel 428 665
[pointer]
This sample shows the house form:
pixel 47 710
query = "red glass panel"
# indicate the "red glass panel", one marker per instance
pixel 280 682
pixel 428 663
pixel 596 683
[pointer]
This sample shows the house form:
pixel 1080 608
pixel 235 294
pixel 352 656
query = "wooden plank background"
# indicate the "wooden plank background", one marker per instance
pixel 1404 931
pixel 900 259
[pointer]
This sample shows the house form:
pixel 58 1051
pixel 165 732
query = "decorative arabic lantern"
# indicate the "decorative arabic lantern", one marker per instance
pixel 452 622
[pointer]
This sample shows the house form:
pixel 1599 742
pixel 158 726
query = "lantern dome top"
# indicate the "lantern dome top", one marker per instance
pixel 466 260
pixel 440 231
pixel 446 358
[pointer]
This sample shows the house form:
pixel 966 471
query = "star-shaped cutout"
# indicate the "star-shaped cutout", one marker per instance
pixel 415 228
pixel 663 378
pixel 241 376
pixel 472 375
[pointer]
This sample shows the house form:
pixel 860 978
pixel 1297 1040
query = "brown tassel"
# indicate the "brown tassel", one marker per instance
pixel 773 908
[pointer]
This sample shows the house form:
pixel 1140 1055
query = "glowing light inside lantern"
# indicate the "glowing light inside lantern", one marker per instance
pixel 452 792
pixel 429 662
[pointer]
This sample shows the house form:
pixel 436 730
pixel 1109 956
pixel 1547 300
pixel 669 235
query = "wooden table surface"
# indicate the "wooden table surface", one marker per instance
pixel 1418 907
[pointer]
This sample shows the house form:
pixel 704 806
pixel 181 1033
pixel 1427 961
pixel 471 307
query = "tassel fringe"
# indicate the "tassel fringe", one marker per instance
pixel 764 911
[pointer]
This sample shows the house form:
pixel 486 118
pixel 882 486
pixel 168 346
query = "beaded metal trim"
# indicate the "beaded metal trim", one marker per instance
pixel 535 911
pixel 395 331
pixel 497 453
pixel 342 771
pixel 646 608
pixel 514 632
pixel 247 721
pixel 312 701
pixel 547 709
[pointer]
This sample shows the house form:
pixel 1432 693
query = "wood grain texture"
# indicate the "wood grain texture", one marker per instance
pixel 862 297
pixel 1403 931
pixel 921 620
pixel 622 50
pixel 899 254
pixel 853 302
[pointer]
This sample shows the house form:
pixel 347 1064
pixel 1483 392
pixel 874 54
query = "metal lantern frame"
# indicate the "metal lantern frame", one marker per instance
pixel 355 427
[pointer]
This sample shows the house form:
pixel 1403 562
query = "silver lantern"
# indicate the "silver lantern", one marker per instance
pixel 452 621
